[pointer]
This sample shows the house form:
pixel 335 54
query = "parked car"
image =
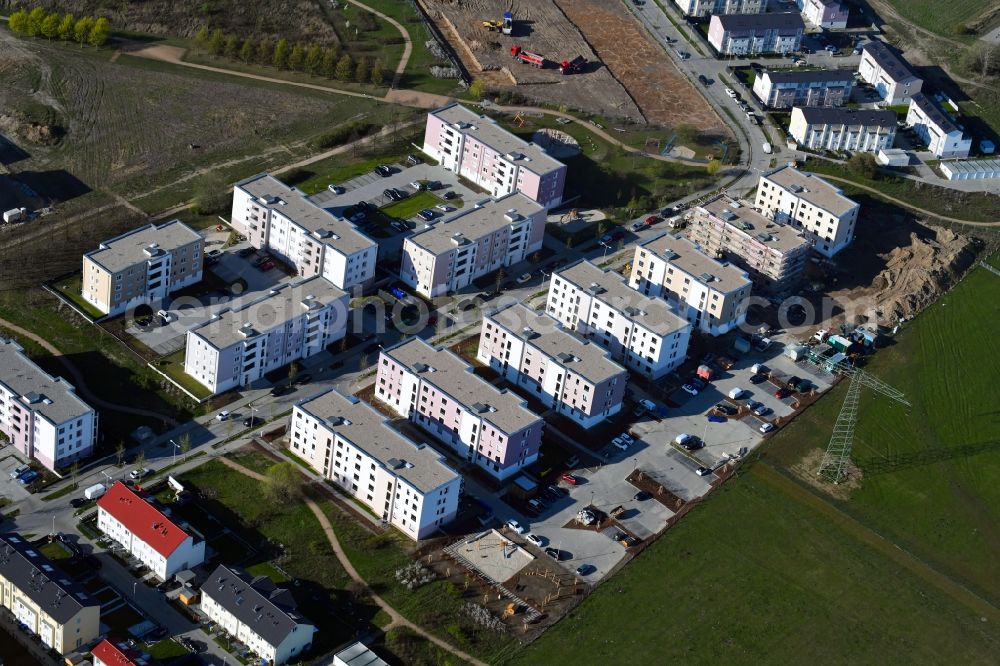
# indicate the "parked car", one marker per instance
pixel 250 421
pixel 266 266
pixel 336 189
pixel 793 382
pixel 281 389
pixel 554 553
pixel 641 496
pixel 627 437
pixel 757 379
pixel 213 254
pixel 444 208
pixel 516 526
pixel 383 170
pixel 223 415
pixel 716 418
pixel 389 194
pixel 569 478
pixel 703 471
pixel 400 194
pixel 762 410
pixel 690 388
pixel 585 569
pixel 27 477
pixel 77 502
pixel 727 409
pixel 620 443
pixel 535 540
pixel 524 278
pixel 731 92
pixel 736 393
pixel 426 215
pixel 138 473
pixel 637 226
pixel 413 160
pixel 703 79
pixel 418 186
pixel 449 195
pixel 766 427
pixel 782 393
pixel 19 470
pixel 245 252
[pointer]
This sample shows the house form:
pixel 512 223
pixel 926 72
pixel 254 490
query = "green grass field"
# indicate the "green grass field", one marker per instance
pixel 407 208
pixel 928 14
pixel 904 570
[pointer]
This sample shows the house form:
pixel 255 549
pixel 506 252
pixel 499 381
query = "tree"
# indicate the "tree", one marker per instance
pixel 477 89
pixel 296 58
pixel 361 72
pixel 293 369
pixel 345 68
pixel 50 26
pixel 247 50
pixel 18 22
pixel 314 56
pixel 231 47
pixel 328 66
pixel 120 453
pixel 376 76
pixel 284 483
pixel 66 27
pixel 280 58
pixel 74 470
pixel 99 33
pixel 713 167
pixel 82 29
pixel 184 442
pixel 265 52
pixel 201 38
pixel 140 459
pixel 501 275
pixel 216 43
pixel 35 20
pixel 863 164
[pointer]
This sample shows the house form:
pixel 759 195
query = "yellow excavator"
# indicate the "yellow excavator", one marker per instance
pixel 493 26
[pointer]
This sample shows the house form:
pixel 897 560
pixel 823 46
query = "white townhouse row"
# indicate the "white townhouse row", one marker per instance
pixel 142 267
pixel 238 346
pixel 283 221
pixel 712 295
pixel 449 255
pixel 810 203
pixel 143 530
pixel 41 415
pixel 890 75
pixel 784 89
pixel 943 137
pixel 645 334
pixel 577 378
pixel 347 441
pixel 44 599
pixel 828 14
pixel 709 7
pixel 752 34
pixel 440 392
pixel 477 148
pixel 259 614
pixel 830 128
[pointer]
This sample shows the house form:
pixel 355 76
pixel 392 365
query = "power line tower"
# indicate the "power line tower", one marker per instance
pixel 838 451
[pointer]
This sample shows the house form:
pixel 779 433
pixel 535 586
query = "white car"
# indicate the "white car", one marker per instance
pixel 223 415
pixel 731 92
pixel 516 526
pixel 620 443
pixel 535 540
pixel 524 278
pixel 627 437
pixel 444 208
pixel 693 390
pixel 766 427
pixel 336 189
pixel 736 393
pixel 138 473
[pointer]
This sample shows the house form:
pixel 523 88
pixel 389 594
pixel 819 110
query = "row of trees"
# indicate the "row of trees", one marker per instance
pixel 65 27
pixel 306 58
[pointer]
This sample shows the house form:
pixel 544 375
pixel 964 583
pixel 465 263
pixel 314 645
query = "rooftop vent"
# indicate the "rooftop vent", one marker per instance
pixel 270 199
pixel 595 288
pixel 459 239
pixel 152 250
pixel 247 330
pixel 633 312
pixel 529 333
pixel 481 407
pixel 566 357
pixel 322 233
pixel 764 237
pixel 512 215
pixel 728 215
pixel 707 277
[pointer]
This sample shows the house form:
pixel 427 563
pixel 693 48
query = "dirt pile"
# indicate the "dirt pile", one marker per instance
pixel 31 132
pixel 916 274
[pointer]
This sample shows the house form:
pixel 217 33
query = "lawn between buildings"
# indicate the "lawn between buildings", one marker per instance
pixel 770 568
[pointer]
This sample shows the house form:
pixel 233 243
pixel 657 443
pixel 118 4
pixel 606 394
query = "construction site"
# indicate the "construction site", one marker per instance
pixel 585 55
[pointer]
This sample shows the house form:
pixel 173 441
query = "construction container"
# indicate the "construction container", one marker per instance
pixel 839 343
pixel 796 353
pixel 705 372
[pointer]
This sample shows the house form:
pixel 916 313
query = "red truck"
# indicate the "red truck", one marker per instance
pixel 574 66
pixel 527 57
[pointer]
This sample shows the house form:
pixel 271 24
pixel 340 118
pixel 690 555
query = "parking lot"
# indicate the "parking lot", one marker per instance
pixel 660 460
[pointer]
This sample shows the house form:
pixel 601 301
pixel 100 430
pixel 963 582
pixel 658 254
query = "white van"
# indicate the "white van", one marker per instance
pixel 767 148
pixel 736 393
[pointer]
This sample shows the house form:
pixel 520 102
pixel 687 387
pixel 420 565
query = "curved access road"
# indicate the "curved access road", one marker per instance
pixel 904 204
pixel 78 380
pixel 397 620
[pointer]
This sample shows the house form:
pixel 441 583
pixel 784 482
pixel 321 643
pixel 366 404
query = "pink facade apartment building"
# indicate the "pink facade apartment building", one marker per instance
pixel 437 390
pixel 41 415
pixel 449 255
pixel 477 148
pixel 575 377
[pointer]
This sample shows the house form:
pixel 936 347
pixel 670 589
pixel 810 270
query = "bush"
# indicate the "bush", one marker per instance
pixel 344 134
pixel 863 164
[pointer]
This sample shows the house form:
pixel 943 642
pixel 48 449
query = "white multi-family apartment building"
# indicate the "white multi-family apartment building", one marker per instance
pixel 783 89
pixel 709 7
pixel 943 137
pixel 475 147
pixel 238 346
pixel 282 220
pixel 439 391
pixel 59 611
pixel 810 203
pixel 449 255
pixel 773 254
pixel 41 415
pixel 147 533
pixel 891 76
pixel 258 613
pixel 347 441
pixel 107 653
pixel 750 34
pixel 828 14
pixel 643 333
pixel 712 295
pixel 576 378
pixel 142 267
pixel 829 128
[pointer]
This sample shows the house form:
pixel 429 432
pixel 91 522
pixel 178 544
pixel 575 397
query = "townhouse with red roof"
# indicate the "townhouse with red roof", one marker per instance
pixel 144 531
pixel 107 653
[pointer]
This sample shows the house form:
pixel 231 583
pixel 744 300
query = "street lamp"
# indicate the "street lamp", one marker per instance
pixel 175 451
pixel 135 584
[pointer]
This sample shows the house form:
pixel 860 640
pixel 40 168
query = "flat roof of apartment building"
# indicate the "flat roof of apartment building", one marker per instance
pixel 482 220
pixel 812 188
pixel 52 397
pixel 37 578
pixel 259 316
pixel 780 237
pixel 610 288
pixel 325 227
pixel 835 115
pixel 685 255
pixel 590 361
pixel 772 21
pixel 367 429
pixel 141 245
pixel 454 376
pixel 934 113
pixel 487 131
pixel 889 61
pixel 809 75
